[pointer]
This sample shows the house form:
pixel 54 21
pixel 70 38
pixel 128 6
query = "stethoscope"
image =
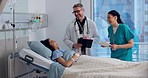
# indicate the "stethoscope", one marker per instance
pixel 87 32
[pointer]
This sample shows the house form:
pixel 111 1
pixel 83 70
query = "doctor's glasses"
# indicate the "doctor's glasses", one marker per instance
pixel 77 11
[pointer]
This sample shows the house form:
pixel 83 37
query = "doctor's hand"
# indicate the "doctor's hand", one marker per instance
pixel 114 46
pixel 86 37
pixel 76 46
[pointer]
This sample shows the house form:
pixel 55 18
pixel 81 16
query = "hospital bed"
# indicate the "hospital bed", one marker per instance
pixel 89 67
pixel 30 57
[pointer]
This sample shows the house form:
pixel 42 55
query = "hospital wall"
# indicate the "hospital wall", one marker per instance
pixel 37 6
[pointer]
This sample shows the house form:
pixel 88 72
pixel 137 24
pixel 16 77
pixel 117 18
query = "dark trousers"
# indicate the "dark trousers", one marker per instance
pixel 83 50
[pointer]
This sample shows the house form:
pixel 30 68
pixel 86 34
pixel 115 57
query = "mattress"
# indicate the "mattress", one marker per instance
pixel 38 60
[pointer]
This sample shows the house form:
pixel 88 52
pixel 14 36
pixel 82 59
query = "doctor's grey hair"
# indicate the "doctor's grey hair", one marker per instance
pixel 78 5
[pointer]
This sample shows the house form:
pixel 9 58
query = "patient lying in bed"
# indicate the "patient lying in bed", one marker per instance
pixel 93 67
pixel 90 67
pixel 57 54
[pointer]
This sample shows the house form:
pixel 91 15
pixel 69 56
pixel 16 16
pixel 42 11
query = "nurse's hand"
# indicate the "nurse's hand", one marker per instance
pixel 114 46
pixel 77 46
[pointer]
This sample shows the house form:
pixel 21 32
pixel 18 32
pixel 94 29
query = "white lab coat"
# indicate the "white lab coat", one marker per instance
pixel 72 34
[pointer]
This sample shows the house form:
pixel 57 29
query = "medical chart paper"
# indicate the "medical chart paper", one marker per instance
pixel 105 44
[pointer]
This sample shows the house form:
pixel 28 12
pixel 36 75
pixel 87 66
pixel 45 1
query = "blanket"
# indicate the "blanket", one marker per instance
pixel 94 67
pixel 56 69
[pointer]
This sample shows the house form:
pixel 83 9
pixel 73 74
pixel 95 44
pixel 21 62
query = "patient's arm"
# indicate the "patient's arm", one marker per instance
pixel 68 62
pixel 57 55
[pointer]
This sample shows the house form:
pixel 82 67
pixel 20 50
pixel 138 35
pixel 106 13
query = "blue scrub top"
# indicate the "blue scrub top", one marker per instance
pixel 122 36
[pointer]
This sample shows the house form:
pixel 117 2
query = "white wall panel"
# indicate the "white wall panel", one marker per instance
pixel 59 15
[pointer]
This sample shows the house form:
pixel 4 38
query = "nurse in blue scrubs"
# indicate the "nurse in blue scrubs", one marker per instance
pixel 120 36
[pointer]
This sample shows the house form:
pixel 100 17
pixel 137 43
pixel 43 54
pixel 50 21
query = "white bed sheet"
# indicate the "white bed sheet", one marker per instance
pixel 94 67
pixel 38 59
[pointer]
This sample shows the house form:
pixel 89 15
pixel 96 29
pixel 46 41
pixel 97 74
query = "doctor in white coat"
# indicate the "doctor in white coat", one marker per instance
pixel 80 27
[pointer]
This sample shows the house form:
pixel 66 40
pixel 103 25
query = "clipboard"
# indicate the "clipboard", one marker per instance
pixel 85 42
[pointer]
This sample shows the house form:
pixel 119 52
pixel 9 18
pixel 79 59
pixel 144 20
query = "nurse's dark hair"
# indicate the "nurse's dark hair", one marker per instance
pixel 115 13
pixel 77 5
